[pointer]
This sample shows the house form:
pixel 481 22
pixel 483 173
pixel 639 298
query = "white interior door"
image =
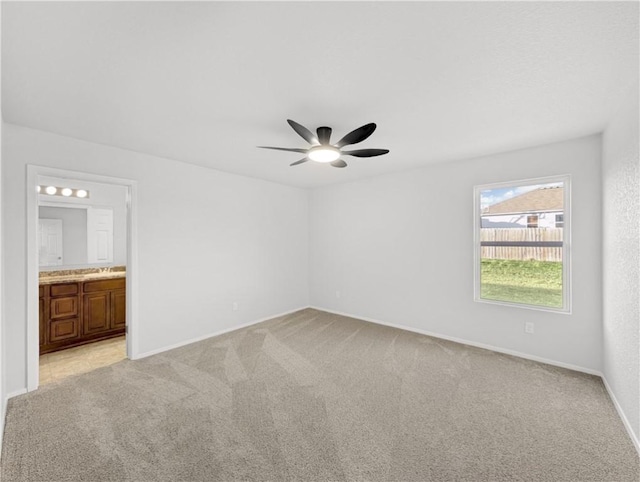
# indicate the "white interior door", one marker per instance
pixel 50 240
pixel 99 235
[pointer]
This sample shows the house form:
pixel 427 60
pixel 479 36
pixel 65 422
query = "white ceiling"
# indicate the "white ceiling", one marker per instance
pixel 205 83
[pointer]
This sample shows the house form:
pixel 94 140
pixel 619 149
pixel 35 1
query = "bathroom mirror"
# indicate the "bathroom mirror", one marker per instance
pixel 75 236
pixel 80 224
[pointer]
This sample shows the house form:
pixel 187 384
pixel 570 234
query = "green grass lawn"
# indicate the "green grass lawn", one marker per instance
pixel 530 282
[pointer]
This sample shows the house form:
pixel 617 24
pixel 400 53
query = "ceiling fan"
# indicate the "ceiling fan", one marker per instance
pixel 323 151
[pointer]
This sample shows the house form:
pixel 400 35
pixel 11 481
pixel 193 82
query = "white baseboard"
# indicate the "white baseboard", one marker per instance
pixel 5 402
pixel 625 421
pixel 153 352
pixel 15 393
pixel 211 335
pixel 462 341
pixel 4 416
pixel 623 417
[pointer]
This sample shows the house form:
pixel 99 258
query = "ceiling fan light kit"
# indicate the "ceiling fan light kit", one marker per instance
pixel 322 151
pixel 323 154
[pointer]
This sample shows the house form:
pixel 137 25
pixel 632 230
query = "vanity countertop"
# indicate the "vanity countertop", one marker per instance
pixel 84 274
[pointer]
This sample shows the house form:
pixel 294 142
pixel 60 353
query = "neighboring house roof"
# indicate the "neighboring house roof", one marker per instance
pixel 544 199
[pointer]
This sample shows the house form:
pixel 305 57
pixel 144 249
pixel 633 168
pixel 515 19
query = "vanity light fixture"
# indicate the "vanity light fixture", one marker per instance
pixel 63 191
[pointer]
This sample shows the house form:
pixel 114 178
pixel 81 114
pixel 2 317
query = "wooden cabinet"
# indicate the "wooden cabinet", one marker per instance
pixel 81 312
pixel 42 317
pixel 63 307
pixel 62 330
pixel 97 312
pixel 118 309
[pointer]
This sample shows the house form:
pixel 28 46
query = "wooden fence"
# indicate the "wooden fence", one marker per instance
pixel 540 244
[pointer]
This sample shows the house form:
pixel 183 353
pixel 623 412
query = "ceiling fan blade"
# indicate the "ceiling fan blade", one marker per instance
pixel 303 132
pixel 304 159
pixel 324 134
pixel 339 163
pixel 290 149
pixel 358 135
pixel 366 152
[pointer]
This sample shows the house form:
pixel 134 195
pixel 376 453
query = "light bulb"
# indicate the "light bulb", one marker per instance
pixel 81 193
pixel 67 192
pixel 39 188
pixel 51 190
pixel 324 154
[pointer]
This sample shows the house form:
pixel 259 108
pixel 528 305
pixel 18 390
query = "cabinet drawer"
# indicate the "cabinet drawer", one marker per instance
pixel 64 329
pixel 104 285
pixel 63 307
pixel 41 292
pixel 64 289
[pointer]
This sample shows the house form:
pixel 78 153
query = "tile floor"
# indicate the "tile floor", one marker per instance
pixel 59 365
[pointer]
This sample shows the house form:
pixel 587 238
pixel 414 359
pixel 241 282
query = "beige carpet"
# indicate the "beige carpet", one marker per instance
pixel 315 396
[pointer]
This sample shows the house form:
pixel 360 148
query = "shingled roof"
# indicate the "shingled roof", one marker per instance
pixel 544 199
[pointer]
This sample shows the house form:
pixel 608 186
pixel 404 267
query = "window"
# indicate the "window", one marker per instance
pixel 523 258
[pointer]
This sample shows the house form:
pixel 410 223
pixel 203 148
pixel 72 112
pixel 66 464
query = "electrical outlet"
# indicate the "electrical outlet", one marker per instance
pixel 528 327
pixel 235 306
pixel 338 294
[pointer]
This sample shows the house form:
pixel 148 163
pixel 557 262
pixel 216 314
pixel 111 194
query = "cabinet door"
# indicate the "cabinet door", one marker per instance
pixel 118 309
pixel 42 321
pixel 60 330
pixel 97 312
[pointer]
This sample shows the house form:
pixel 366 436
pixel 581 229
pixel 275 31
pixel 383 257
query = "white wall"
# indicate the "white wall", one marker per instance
pixel 100 196
pixel 399 248
pixel 74 233
pixel 621 261
pixel 206 239
pixel 3 378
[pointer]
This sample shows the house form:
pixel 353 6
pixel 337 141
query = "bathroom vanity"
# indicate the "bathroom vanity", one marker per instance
pixel 81 306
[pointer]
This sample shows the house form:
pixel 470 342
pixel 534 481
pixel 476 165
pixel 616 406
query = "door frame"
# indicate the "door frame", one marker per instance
pixel 33 322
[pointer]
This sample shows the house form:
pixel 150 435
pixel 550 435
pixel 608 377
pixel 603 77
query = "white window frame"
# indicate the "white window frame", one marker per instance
pixel 566 244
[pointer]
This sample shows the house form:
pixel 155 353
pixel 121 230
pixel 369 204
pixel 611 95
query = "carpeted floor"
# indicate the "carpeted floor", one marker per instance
pixel 316 396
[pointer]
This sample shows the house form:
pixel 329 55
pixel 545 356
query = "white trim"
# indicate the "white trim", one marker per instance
pixel 5 403
pixel 623 417
pixel 566 244
pixel 33 171
pixel 216 333
pixel 15 393
pixel 49 204
pixel 132 337
pixel 521 306
pixel 462 341
pixel 569 366
pixel 625 421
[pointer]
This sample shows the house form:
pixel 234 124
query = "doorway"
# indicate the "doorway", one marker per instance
pixel 76 304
